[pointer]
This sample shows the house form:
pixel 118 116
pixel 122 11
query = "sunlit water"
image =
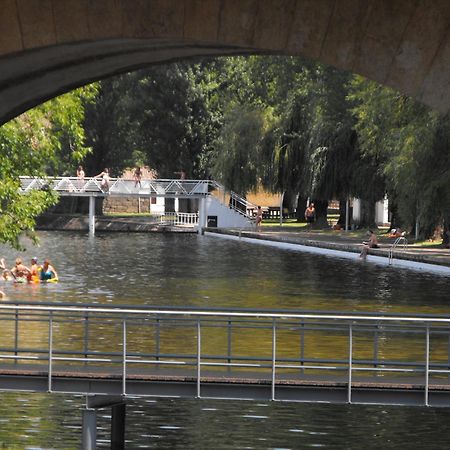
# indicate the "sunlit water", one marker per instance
pixel 160 269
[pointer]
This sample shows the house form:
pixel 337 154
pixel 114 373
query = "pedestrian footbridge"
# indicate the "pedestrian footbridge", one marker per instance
pixel 110 353
pixel 215 204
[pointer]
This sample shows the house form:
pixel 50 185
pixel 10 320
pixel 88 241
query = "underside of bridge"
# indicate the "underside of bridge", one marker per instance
pixel 48 47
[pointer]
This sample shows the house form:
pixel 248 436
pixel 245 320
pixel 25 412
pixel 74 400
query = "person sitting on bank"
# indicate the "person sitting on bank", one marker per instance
pixel 48 272
pixel 19 271
pixel 371 243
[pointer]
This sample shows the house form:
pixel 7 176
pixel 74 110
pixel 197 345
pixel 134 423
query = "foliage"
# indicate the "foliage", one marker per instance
pixel 43 141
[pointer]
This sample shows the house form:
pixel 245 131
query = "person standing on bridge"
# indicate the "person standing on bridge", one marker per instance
pixel 137 176
pixel 80 173
pixel 80 177
pixel 105 179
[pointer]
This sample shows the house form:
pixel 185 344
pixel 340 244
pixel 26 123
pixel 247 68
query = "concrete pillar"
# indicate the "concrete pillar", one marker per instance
pixel 92 215
pixel 89 429
pixel 118 414
pixel 201 214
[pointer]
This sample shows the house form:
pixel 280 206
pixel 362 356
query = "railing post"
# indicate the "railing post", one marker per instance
pixel 375 345
pixel 89 432
pixel 50 351
pixel 229 344
pixel 274 349
pixel 157 338
pixel 448 353
pixel 427 363
pixel 16 335
pixel 302 345
pixel 124 357
pixel 350 361
pixel 199 350
pixel 86 335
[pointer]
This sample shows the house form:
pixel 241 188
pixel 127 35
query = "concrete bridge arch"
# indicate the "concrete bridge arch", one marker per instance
pixel 48 47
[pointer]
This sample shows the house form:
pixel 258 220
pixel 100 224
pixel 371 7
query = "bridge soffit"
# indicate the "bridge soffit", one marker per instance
pixel 51 46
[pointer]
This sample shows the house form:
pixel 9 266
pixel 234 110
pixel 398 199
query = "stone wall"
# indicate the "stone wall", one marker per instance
pixel 126 205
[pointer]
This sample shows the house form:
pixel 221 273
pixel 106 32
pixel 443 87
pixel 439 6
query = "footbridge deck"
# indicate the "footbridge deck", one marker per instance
pixel 236 354
pixel 206 192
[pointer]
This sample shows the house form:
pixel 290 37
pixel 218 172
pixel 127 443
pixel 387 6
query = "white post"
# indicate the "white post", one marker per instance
pixel 176 204
pixel 281 208
pixel 89 429
pixel 92 215
pixel 201 214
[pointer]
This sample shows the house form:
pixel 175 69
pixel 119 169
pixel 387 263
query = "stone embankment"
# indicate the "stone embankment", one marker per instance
pixel 103 223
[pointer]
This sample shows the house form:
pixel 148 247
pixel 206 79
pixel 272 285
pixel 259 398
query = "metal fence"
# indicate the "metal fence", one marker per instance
pixel 272 347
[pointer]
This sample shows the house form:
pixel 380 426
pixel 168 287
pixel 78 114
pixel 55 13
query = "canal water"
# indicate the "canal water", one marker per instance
pixel 190 270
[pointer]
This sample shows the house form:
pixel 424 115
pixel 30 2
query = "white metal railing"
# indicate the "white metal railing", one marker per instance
pixel 279 345
pixel 401 242
pixel 179 219
pixel 119 186
pixel 235 201
pixel 72 186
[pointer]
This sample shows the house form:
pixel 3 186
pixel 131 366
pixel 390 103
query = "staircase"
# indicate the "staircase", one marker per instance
pixel 230 209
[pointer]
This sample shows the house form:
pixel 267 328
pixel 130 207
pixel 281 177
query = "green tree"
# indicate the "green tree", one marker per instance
pixel 41 142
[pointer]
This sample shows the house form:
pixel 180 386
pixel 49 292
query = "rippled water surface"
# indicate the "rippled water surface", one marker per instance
pixel 160 269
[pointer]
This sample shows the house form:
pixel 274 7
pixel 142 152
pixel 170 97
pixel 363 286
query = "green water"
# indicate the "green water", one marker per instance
pixel 189 270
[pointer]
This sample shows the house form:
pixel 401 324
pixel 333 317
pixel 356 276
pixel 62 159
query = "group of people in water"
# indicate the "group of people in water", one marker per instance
pixel 35 273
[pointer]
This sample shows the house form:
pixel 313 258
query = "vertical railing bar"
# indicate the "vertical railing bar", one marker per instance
pixel 375 345
pixel 86 335
pixel 302 345
pixel 16 335
pixel 448 353
pixel 350 361
pixel 124 356
pixel 199 349
pixel 50 351
pixel 229 344
pixel 427 363
pixel 274 343
pixel 157 340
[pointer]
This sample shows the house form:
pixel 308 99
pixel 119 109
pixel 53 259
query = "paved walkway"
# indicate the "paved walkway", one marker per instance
pixel 340 240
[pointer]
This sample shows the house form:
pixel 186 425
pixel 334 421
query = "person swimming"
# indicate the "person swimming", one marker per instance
pixel 35 270
pixel 20 272
pixel 48 272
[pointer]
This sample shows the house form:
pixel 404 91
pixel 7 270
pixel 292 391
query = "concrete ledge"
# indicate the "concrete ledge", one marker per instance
pixel 341 250
pixel 117 224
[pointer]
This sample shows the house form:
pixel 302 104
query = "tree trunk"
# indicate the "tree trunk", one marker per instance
pixel 446 233
pixel 301 206
pixel 343 212
pixel 321 208
pixel 368 214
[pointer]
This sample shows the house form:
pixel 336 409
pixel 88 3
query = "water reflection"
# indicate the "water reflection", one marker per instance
pixel 157 269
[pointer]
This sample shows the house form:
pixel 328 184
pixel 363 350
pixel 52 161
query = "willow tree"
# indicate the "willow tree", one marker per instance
pixel 47 140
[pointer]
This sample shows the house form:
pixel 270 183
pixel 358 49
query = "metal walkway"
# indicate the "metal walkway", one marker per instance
pixel 110 353
pixel 383 359
pixel 119 187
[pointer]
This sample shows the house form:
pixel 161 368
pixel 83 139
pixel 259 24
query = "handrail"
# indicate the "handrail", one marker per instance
pixel 15 306
pixel 278 352
pixel 401 240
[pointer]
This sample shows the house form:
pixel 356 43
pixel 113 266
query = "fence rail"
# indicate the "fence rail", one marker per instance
pixel 204 346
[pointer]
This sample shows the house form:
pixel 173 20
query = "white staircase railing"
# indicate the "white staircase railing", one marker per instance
pixel 400 241
pixel 234 201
